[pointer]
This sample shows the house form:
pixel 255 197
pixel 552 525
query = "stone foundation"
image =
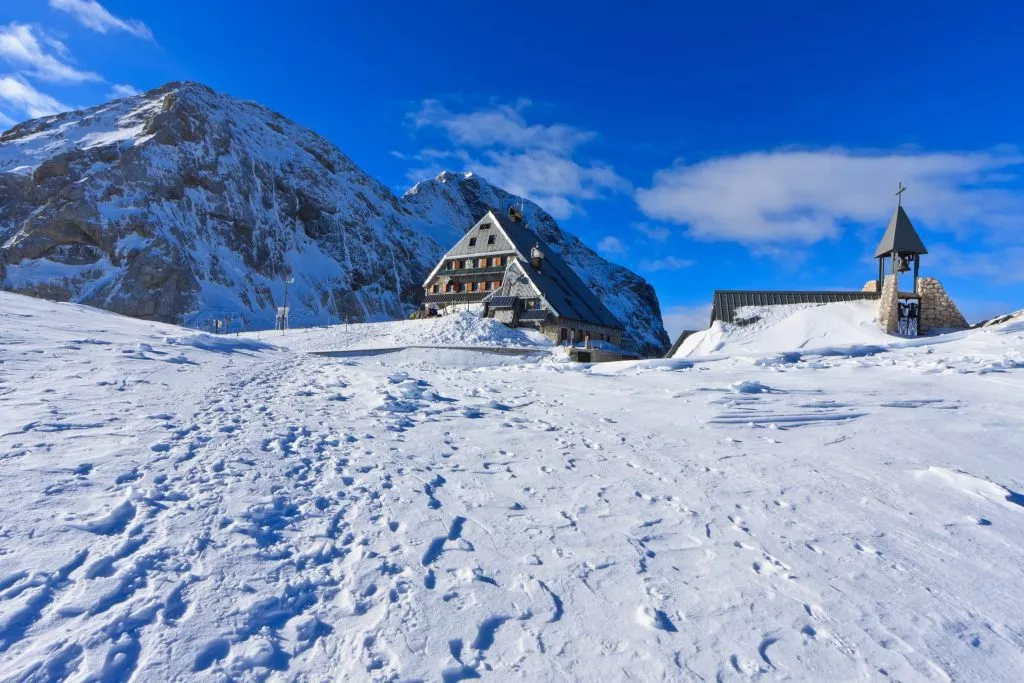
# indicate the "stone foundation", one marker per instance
pixel 889 305
pixel 938 312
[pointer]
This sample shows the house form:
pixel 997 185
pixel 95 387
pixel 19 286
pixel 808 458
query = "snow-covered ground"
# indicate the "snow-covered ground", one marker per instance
pixel 182 507
pixel 463 329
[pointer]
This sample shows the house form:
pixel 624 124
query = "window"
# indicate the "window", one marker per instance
pixel 450 287
pixel 472 286
pixel 496 261
pixel 435 289
pixel 485 226
pixel 496 284
pixel 472 241
pixel 490 239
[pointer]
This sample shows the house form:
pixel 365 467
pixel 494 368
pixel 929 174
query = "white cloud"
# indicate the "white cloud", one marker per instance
pixel 612 246
pixel 22 47
pixel 1003 266
pixel 96 17
pixel 500 125
pixel 766 199
pixel 666 263
pixel 19 95
pixel 6 121
pixel 119 90
pixel 532 160
pixel 680 318
pixel 658 233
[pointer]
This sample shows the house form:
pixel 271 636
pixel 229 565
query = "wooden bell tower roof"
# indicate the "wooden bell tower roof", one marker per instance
pixel 900 236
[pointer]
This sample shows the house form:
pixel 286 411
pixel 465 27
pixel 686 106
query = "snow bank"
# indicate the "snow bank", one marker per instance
pixel 459 329
pixel 778 329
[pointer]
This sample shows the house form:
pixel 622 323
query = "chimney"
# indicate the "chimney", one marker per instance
pixel 536 257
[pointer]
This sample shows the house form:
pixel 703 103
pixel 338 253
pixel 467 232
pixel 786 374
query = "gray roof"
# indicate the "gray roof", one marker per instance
pixel 727 301
pixel 900 236
pixel 679 342
pixel 559 284
pixel 538 314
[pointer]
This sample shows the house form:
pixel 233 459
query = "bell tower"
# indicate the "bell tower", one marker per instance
pixel 901 245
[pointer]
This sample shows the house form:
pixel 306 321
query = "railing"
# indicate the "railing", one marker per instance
pixel 454 297
pixel 472 271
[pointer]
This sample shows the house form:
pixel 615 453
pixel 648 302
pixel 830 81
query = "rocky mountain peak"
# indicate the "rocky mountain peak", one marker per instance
pixel 183 204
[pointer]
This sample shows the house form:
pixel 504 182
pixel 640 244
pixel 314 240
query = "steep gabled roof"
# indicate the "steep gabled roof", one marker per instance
pixel 900 236
pixel 557 283
pixel 460 248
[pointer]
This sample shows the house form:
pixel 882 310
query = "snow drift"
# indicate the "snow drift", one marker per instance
pixel 794 327
pixel 462 329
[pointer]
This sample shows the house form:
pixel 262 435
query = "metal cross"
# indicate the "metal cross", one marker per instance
pixel 899 193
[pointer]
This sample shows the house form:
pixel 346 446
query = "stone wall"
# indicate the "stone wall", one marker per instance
pixel 889 305
pixel 552 330
pixel 938 312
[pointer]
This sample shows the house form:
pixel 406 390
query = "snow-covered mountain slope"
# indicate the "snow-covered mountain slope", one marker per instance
pixel 186 205
pixel 183 204
pixel 183 507
pixel 452 201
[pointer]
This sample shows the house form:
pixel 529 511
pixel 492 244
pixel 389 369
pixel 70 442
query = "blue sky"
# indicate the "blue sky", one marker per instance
pixel 704 145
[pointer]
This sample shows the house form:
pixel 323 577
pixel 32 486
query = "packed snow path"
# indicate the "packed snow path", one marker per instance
pixel 184 507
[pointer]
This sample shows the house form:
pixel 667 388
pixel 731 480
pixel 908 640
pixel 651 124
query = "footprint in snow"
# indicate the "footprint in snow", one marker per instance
pixel 654 619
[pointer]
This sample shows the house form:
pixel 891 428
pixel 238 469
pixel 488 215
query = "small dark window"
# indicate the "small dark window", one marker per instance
pixel 490 239
pixel 472 241
pixel 485 226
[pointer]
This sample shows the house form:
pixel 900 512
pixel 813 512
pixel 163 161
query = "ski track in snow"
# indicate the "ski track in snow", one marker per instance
pixel 254 513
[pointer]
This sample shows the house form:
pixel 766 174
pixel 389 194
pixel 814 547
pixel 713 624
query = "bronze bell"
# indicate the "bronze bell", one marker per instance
pixel 902 266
